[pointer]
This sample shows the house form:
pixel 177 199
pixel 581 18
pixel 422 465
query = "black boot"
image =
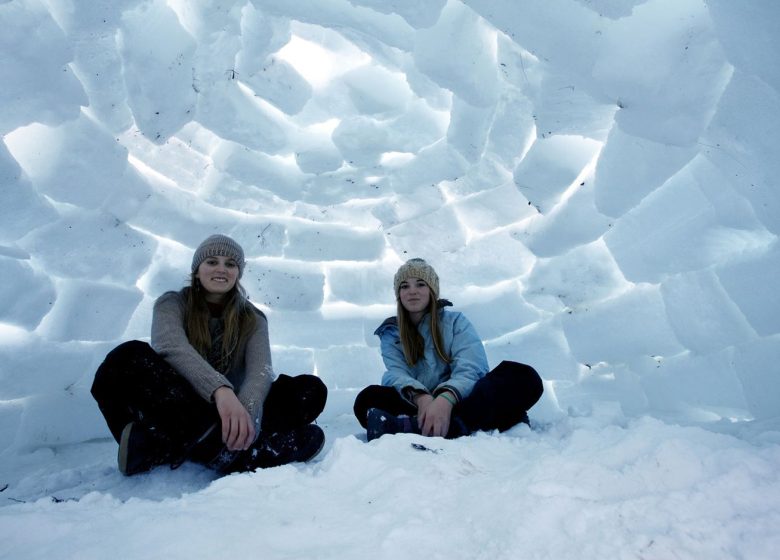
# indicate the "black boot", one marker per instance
pixel 380 423
pixel 141 449
pixel 279 448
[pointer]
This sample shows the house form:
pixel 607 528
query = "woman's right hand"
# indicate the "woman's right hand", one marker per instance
pixel 238 430
pixel 432 419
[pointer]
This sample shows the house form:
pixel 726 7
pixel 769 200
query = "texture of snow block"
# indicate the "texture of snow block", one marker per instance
pixel 261 36
pixel 489 173
pixel 234 113
pixel 563 107
pixel 579 278
pixel 362 140
pixel 38 85
pixel 559 32
pixel 417 127
pixel 495 311
pixel 698 387
pixel 756 365
pixel 318 159
pixel 259 237
pixel 77 162
pixel 733 209
pixel 139 327
pixel 90 311
pixel 280 177
pixel 492 209
pixel 349 367
pixel 512 130
pixel 742 142
pixel 675 229
pixel 56 419
pixel 752 284
pixel 182 216
pixel 613 9
pixel 324 242
pixel 747 33
pixel 284 285
pixel 551 166
pixel 27 296
pixel 483 262
pixel 541 346
pixel 440 228
pixel 161 90
pixel 40 367
pixel 92 30
pixel 435 163
pixel 703 317
pixel 168 270
pixel 665 68
pixel 611 391
pixel 98 66
pixel 469 127
pixel 92 245
pixel 629 168
pixel 417 14
pixel 292 361
pixel 571 223
pixel 309 329
pixel 23 208
pixel 375 90
pixel 342 14
pixel 458 53
pixel 10 419
pixel 181 160
pixel 360 283
pixel 622 328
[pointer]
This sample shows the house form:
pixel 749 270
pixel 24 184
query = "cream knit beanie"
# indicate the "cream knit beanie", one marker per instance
pixel 417 268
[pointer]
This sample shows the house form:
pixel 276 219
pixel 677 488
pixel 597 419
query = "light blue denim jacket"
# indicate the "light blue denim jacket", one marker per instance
pixel 431 373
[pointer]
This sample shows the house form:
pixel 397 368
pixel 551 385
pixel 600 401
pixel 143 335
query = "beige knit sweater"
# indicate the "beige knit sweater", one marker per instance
pixel 250 373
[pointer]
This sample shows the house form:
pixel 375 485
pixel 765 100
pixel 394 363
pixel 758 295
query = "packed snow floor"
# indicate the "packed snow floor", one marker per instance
pixel 596 486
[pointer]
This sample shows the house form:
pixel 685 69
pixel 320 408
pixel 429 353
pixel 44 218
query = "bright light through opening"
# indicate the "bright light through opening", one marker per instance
pixel 317 64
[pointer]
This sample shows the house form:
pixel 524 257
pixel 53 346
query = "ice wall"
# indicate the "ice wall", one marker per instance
pixel 595 182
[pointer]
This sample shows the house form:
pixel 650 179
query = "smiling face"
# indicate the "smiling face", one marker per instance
pixel 217 275
pixel 415 296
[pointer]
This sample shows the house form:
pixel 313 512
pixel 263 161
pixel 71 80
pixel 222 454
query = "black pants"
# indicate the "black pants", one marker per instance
pixel 134 384
pixel 498 401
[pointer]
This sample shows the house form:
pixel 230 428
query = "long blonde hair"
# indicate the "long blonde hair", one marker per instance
pixel 412 341
pixel 238 315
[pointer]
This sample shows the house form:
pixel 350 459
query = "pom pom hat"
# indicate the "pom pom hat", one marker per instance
pixel 219 246
pixel 417 268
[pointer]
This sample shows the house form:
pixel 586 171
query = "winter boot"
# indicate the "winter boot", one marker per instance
pixel 380 423
pixel 140 450
pixel 279 448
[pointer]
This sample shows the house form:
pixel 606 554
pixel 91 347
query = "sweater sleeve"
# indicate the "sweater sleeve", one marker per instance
pixel 169 340
pixel 259 372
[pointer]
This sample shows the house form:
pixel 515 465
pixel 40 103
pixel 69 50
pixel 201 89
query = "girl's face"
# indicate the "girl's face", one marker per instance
pixel 217 275
pixel 415 296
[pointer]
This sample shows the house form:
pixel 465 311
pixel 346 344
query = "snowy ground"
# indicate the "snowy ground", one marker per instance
pixel 582 488
pixel 594 180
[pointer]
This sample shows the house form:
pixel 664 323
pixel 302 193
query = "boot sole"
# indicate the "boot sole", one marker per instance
pixel 317 452
pixel 124 444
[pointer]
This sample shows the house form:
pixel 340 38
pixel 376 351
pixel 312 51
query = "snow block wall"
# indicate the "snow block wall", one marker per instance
pixel 595 182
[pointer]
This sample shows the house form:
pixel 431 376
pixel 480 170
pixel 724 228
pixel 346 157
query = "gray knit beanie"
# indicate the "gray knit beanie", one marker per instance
pixel 222 246
pixel 417 268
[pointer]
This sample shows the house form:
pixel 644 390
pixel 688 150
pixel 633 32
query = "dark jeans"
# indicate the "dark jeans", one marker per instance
pixel 498 401
pixel 134 384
